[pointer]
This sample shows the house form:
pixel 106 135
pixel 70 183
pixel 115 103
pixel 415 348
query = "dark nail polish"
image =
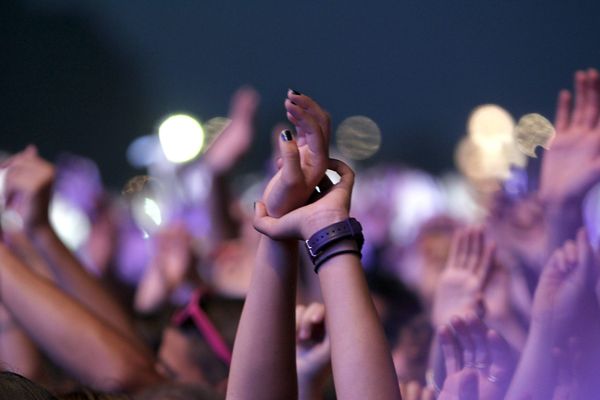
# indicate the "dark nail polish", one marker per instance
pixel 297 93
pixel 286 135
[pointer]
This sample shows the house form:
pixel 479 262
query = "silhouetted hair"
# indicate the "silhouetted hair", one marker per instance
pixel 14 386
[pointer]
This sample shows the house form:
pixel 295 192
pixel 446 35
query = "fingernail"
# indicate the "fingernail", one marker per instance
pixel 297 93
pixel 254 206
pixel 286 135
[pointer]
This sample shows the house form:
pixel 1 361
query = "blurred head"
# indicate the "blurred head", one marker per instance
pixel 14 386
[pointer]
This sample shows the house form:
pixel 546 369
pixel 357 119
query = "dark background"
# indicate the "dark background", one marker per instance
pixel 89 76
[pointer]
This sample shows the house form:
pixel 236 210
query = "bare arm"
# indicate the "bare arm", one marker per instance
pixel 361 360
pixel 28 186
pixel 263 365
pixel 73 337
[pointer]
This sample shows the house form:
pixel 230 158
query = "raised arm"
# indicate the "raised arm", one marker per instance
pixel 572 165
pixel 28 187
pixel 564 305
pixel 361 360
pixel 263 362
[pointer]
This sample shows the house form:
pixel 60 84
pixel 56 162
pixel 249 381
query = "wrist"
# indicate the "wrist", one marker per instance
pixel 321 219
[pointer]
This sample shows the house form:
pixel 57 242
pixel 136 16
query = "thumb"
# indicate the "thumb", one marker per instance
pixel 285 227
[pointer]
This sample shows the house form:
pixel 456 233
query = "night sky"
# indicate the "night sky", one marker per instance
pixel 89 76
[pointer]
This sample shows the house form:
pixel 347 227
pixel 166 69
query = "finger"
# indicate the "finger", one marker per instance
pixel 300 309
pixel 313 323
pixel 243 104
pixel 580 99
pixel 465 341
pixel 463 246
pixel 282 228
pixel 468 386
pixel 563 111
pixel 475 249
pixel 316 313
pixel 593 102
pixel 30 151
pixel 310 128
pixel 412 391
pixel 453 252
pixel 570 251
pixel 312 107
pixel 486 263
pixel 561 264
pixel 427 394
pixel 478 332
pixel 450 350
pixel 584 252
pixel 344 171
pixel 291 171
pixel 501 361
pixel 305 329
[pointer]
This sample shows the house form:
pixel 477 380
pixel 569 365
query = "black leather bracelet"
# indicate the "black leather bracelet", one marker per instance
pixel 346 229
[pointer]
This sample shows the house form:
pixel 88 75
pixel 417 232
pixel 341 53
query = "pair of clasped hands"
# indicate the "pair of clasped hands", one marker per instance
pixel 283 214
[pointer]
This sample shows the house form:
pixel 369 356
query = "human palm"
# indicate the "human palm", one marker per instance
pixel 291 186
pixel 572 165
pixel 565 288
pixel 461 284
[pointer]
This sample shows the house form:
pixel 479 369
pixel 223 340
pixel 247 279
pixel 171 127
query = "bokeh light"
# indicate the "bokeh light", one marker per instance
pixel 533 130
pixel 358 137
pixel 213 128
pixel 181 138
pixel 70 223
pixel 490 125
pixel 144 196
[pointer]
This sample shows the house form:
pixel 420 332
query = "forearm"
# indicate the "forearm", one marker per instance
pixel 73 337
pixel 71 276
pixel 361 359
pixel 17 352
pixel 535 377
pixel 263 364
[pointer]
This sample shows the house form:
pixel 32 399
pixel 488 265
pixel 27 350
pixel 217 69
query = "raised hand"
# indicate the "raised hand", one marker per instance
pixel 565 291
pixel 313 350
pixel 305 221
pixel 28 187
pixel 307 157
pixel 478 360
pixel 236 138
pixel 461 284
pixel 572 165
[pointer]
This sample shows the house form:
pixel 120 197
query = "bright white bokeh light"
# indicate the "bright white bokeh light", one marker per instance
pixel 491 126
pixel 153 211
pixel 181 138
pixel 70 223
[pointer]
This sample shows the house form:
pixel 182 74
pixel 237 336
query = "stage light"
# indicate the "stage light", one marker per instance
pixel 181 138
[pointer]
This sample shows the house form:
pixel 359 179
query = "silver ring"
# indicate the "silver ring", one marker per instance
pixel 493 378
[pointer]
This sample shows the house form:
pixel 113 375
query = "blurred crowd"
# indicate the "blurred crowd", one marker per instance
pixel 195 282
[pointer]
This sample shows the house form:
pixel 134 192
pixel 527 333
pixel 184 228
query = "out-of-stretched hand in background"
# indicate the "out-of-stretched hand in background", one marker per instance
pixel 313 351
